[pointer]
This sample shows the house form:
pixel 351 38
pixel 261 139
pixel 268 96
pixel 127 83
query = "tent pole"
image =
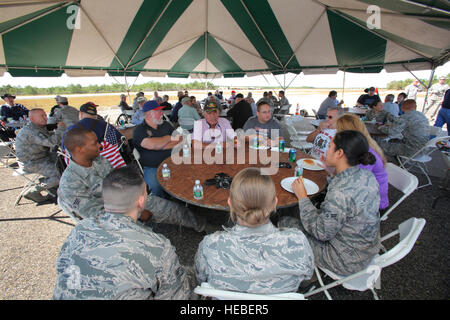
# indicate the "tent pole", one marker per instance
pixel 277 81
pixel 428 89
pixel 343 86
pixel 292 81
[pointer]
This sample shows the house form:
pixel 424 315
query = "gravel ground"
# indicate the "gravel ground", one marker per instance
pixel 31 236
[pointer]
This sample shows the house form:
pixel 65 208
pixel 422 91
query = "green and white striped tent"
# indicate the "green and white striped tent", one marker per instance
pixel 215 38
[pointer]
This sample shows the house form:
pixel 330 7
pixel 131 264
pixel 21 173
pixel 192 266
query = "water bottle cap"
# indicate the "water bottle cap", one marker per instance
pixel 165 165
pixel 197 181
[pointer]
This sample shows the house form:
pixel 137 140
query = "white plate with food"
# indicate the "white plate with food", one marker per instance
pixel 310 186
pixel 310 164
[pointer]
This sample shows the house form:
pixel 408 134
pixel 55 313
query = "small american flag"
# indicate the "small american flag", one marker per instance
pixel 110 150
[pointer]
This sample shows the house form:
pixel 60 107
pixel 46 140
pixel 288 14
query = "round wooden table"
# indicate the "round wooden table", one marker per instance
pixel 183 176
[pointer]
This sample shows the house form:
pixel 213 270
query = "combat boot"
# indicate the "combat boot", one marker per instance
pixel 35 196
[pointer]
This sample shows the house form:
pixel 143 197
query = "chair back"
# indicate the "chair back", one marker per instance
pixel 129 112
pixel 284 109
pixel 208 291
pixel 315 113
pixel 403 181
pixel 409 231
pixel 137 156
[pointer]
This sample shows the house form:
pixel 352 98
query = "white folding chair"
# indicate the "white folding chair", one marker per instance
pixel 7 150
pixel 207 290
pixel 370 278
pixel 137 156
pixel 298 140
pixel 403 181
pixel 315 113
pixel 31 179
pixel 284 110
pixel 421 157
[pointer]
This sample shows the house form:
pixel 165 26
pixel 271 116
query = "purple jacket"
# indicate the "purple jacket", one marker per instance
pixel 380 174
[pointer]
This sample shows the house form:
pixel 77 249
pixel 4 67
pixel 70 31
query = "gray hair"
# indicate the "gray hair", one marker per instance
pixel 121 188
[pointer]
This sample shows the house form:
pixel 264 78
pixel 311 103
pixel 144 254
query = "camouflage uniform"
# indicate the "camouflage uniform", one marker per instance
pixel 414 128
pixel 80 191
pixel 437 92
pixel 68 115
pixel 383 116
pixel 344 232
pixel 262 259
pixel 33 144
pixel 411 91
pixel 112 257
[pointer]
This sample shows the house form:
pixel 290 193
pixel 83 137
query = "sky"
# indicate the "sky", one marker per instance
pixel 352 80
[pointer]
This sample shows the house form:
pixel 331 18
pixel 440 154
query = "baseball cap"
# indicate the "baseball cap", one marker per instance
pixel 185 99
pixel 151 105
pixel 141 99
pixel 62 99
pixel 211 107
pixel 7 95
pixel 89 108
pixel 57 97
pixel 233 91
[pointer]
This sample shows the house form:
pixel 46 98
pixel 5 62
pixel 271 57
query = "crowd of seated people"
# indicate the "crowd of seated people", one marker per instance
pixel 255 255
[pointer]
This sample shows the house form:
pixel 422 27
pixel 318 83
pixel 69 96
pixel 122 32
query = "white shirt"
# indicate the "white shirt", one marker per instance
pixel 392 108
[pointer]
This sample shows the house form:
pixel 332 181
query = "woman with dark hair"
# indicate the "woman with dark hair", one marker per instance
pixel 377 113
pixel 400 98
pixel 344 232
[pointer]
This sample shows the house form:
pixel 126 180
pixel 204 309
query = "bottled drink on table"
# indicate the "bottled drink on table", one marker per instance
pixel 298 170
pixel 186 150
pixel 255 142
pixel 219 147
pixel 281 145
pixel 165 172
pixel 198 190
pixel 292 154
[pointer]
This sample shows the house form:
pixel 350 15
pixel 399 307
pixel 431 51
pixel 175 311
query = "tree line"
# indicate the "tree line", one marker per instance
pixel 105 88
pixel 401 84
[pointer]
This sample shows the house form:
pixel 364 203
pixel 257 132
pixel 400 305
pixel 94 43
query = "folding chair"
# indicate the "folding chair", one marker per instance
pixel 284 110
pixel 401 180
pixel 421 157
pixel 370 277
pixel 315 113
pixel 207 290
pixel 137 156
pixel 298 140
pixel 30 181
pixel 7 150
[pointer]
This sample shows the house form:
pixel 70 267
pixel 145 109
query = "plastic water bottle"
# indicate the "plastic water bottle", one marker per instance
pixel 198 190
pixel 165 172
pixel 255 142
pixel 298 170
pixel 186 151
pixel 297 111
pixel 219 147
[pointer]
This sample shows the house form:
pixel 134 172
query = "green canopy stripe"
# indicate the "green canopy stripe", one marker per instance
pixel 244 21
pixel 17 21
pixel 363 47
pixel 168 19
pixel 146 16
pixel 190 59
pixel 220 58
pixel 268 23
pixel 42 42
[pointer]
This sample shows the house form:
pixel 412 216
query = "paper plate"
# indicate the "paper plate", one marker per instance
pixel 310 186
pixel 314 167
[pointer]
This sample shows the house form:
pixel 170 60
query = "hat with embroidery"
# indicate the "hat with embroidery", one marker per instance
pixel 151 105
pixel 89 108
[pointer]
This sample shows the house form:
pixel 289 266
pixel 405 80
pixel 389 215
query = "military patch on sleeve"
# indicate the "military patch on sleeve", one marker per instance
pixel 76 203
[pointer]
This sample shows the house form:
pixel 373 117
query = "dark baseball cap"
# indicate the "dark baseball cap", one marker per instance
pixel 89 108
pixel 211 107
pixel 151 105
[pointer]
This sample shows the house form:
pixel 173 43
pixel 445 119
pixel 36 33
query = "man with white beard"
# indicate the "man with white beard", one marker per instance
pixel 153 140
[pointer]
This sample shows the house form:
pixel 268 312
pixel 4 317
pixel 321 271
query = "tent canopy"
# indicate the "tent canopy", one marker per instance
pixel 215 38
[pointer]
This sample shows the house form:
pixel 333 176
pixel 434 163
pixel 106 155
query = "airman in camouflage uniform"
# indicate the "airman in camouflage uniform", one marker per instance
pixel 260 259
pixel 437 92
pixel 110 256
pixel 67 114
pixel 80 191
pixel 33 148
pixel 344 232
pixel 414 128
pixel 382 116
